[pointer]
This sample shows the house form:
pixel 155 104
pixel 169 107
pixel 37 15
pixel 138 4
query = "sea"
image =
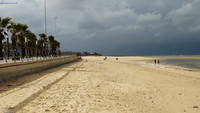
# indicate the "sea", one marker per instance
pixel 191 62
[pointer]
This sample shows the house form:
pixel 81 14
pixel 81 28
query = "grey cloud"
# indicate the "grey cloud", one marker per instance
pixel 187 17
pixel 128 27
pixel 149 18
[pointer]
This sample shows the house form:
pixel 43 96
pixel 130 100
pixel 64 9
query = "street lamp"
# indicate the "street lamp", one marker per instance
pixel 7 43
pixel 45 17
pixel 55 26
pixel 45 24
pixel 7 34
pixel 36 51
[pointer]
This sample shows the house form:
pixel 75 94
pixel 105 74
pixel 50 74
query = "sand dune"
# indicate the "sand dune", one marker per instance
pixel 116 86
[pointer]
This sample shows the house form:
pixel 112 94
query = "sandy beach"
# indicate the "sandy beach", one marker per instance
pixel 94 85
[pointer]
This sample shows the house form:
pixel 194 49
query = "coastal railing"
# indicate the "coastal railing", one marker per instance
pixel 10 54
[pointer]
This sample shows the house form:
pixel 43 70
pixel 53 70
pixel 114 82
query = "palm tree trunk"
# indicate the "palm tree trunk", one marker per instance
pixel 14 44
pixel 1 46
pixel 1 52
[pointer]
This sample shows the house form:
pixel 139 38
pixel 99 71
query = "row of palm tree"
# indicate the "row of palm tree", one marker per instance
pixel 3 24
pixel 23 38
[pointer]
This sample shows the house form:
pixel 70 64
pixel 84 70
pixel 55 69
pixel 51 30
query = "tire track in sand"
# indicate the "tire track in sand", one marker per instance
pixel 26 93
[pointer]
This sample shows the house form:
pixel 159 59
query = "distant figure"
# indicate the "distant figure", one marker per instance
pixel 59 52
pixel 16 55
pixel 105 58
pixel 116 58
pixel 50 51
pixel 155 61
pixel 158 61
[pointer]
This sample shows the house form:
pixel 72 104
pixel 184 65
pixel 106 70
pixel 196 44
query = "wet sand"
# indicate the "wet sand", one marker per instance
pixel 95 85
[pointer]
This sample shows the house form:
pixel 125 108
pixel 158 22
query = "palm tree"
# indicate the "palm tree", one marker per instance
pixel 22 35
pixel 19 32
pixel 3 24
pixel 31 38
pixel 18 36
pixel 43 37
pixel 51 38
pixel 54 44
pixel 23 30
pixel 15 33
pixel 31 44
pixel 43 43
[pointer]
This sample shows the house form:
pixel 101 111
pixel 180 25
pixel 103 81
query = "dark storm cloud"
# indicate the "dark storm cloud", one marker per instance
pixel 128 27
pixel 26 12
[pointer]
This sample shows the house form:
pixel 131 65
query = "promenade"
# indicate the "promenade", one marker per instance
pixel 29 59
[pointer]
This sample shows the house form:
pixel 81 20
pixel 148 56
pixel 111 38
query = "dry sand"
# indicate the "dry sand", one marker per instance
pixel 95 85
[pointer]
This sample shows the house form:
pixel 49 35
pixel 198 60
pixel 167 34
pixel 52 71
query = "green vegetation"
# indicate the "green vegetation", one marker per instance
pixel 53 43
pixel 23 38
pixel 3 24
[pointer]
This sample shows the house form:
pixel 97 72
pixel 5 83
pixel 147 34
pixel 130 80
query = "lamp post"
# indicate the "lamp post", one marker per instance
pixel 45 23
pixel 6 48
pixel 7 37
pixel 26 49
pixel 7 43
pixel 55 26
pixel 45 17
pixel 36 51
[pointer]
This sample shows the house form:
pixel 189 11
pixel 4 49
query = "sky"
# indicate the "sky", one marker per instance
pixel 114 27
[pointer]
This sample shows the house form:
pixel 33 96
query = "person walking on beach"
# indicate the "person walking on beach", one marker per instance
pixel 158 61
pixel 155 61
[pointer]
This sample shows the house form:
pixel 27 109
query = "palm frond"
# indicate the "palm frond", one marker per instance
pixel 5 22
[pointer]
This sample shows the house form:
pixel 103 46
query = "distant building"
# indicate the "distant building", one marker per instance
pixel 89 54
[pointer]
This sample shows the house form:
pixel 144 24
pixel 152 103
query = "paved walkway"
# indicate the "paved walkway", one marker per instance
pixel 29 59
